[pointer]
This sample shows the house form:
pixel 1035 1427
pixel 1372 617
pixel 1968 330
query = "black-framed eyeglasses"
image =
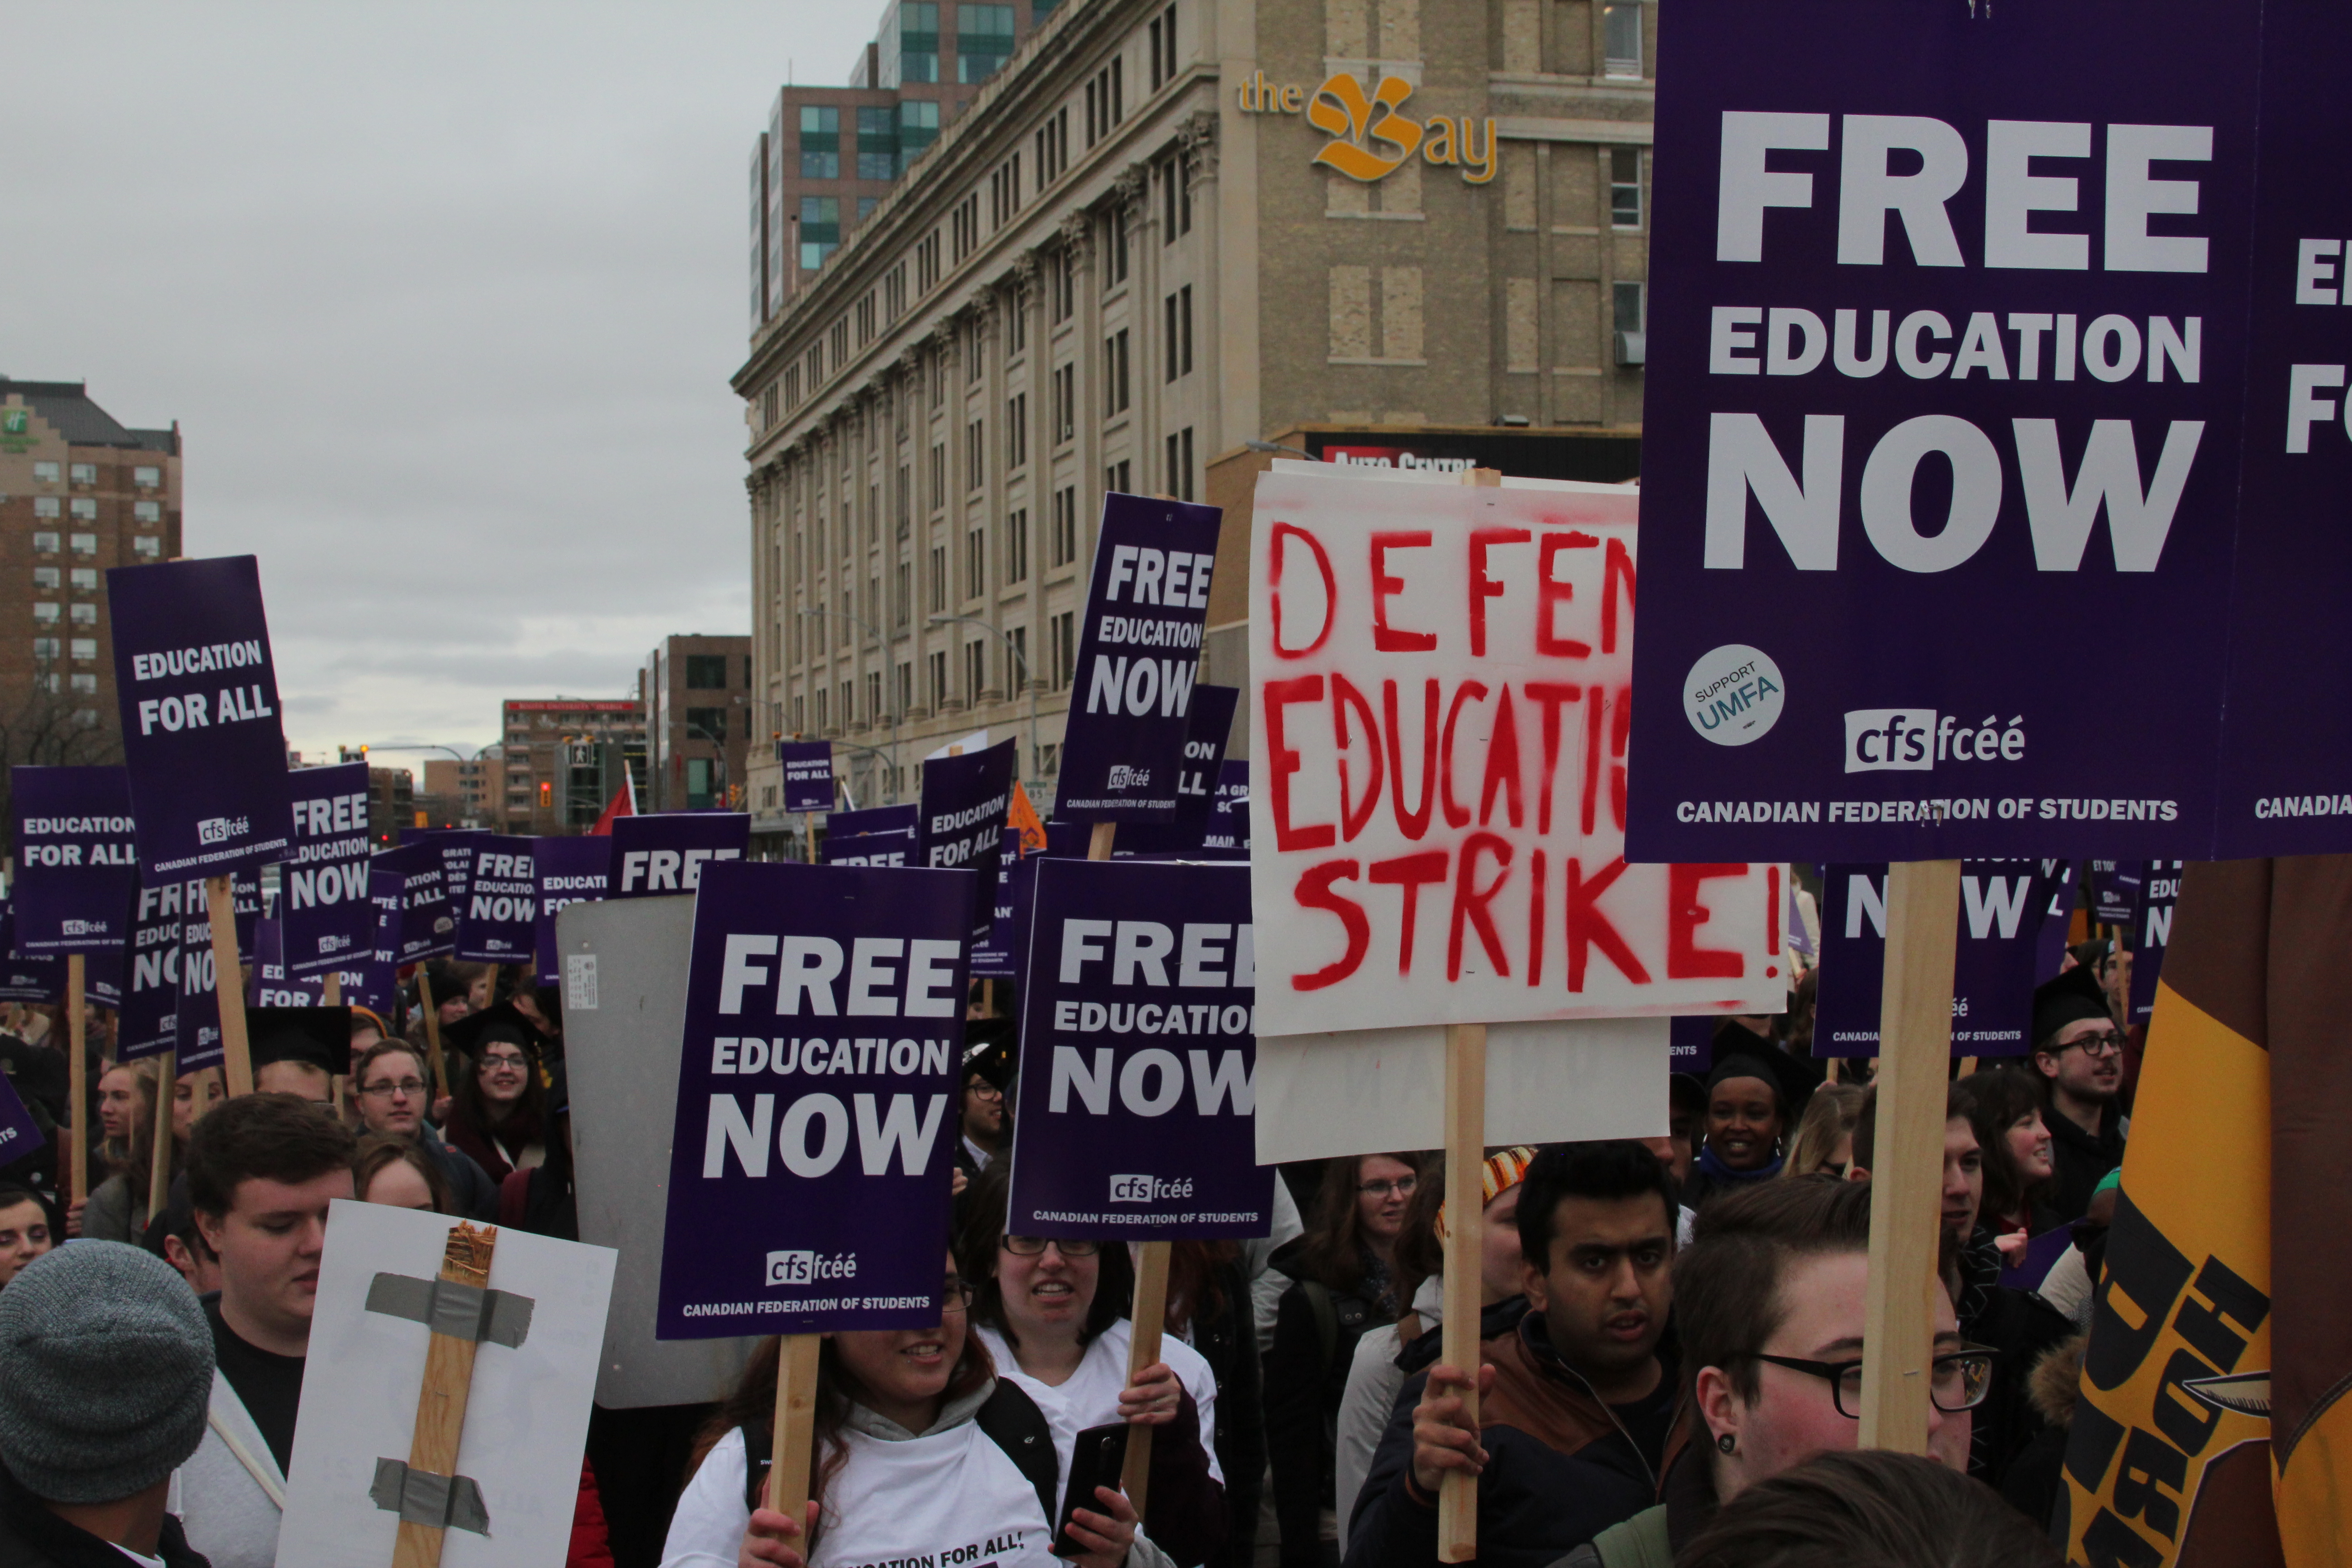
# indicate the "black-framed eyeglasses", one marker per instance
pixel 2107 1042
pixel 505 1059
pixel 1034 1245
pixel 1959 1381
pixel 955 1297
pixel 1402 1187
pixel 981 1089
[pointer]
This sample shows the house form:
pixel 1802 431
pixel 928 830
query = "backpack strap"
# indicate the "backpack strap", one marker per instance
pixel 1327 1319
pixel 759 1450
pixel 1014 1424
pixel 1637 1543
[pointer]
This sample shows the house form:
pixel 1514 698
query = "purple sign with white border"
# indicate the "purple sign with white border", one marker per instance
pixel 565 871
pixel 77 858
pixel 20 1135
pixel 808 775
pixel 776 1222
pixel 323 882
pixel 2152 934
pixel 428 928
pixel 1992 971
pixel 664 854
pixel 966 800
pixel 149 1022
pixel 1197 779
pixel 500 918
pixel 201 737
pixel 1139 1055
pixel 1139 652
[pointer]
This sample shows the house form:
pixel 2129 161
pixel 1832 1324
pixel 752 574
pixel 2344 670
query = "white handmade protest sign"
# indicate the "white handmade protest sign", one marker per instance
pixel 525 1406
pixel 1437 807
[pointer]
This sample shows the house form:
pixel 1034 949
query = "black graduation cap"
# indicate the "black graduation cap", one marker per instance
pixel 2074 995
pixel 316 1037
pixel 988 1050
pixel 1687 1088
pixel 503 1021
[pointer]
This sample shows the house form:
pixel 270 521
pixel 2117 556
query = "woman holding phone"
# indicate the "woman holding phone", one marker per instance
pixel 915 1457
pixel 1054 1316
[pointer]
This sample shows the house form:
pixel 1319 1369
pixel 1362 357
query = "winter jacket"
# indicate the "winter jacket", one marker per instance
pixel 2036 1478
pixel 1651 1537
pixel 1315 1335
pixel 590 1546
pixel 2082 1158
pixel 2022 1327
pixel 1560 1467
pixel 470 1187
pixel 33 1537
pixel 1228 1343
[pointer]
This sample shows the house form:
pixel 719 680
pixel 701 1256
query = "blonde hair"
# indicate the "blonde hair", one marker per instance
pixel 1829 1119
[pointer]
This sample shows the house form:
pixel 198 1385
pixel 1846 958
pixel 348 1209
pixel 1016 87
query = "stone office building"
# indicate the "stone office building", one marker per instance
pixel 1161 231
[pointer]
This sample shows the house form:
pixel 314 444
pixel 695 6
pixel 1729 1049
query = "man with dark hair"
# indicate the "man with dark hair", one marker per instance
pixel 2078 1057
pixel 262 1169
pixel 987 1069
pixel 1578 1410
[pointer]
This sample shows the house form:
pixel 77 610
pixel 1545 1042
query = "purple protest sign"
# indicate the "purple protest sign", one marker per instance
pixel 996 958
pixel 427 928
pixel 378 981
pixel 24 977
pixel 1993 970
pixel 664 854
pixel 20 1134
pixel 497 922
pixel 1139 651
pixel 1138 1053
pixel 245 899
pixel 269 984
pixel 966 801
pixel 2151 934
pixel 77 858
pixel 198 1013
pixel 2063 887
pixel 775 1225
pixel 102 975
pixel 808 775
pixel 201 738
pixel 565 871
pixel 2041 1254
pixel 147 1025
pixel 1690 1043
pixel 457 847
pixel 323 884
pixel 1228 835
pixel 1186 830
pixel 867 849
pixel 2112 890
pixel 1897 380
pixel 872 819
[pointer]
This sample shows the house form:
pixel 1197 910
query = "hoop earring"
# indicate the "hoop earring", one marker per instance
pixel 1727 1443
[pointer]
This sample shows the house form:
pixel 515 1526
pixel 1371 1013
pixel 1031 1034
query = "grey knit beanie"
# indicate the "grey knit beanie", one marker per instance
pixel 106 1369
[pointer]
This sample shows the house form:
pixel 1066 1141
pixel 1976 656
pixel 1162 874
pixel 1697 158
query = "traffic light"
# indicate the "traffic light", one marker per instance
pixel 546 793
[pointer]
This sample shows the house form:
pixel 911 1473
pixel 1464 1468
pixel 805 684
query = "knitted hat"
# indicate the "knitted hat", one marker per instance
pixel 1503 1170
pixel 110 1369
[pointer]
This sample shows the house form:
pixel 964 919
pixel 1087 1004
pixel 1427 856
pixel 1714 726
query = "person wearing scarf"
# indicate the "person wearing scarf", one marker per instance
pixel 1746 1113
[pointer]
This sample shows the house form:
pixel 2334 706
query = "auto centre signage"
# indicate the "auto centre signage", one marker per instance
pixel 1962 349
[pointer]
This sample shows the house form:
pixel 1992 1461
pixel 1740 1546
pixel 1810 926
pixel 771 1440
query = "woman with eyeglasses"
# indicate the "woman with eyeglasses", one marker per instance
pixel 923 1454
pixel 2078 1061
pixel 1343 1274
pixel 499 1109
pixel 1769 1307
pixel 1053 1316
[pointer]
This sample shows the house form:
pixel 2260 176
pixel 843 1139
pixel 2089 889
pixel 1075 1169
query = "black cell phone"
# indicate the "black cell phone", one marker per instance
pixel 1097 1458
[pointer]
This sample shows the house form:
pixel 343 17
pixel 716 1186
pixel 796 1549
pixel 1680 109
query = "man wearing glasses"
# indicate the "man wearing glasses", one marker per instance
pixel 392 1095
pixel 987 1068
pixel 2078 1054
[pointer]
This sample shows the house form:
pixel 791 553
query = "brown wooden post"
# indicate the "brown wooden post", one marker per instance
pixel 159 1170
pixel 441 1403
pixel 77 1078
pixel 795 1441
pixel 1465 1204
pixel 432 1029
pixel 228 984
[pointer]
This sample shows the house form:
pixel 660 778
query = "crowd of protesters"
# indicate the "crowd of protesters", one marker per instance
pixel 1670 1343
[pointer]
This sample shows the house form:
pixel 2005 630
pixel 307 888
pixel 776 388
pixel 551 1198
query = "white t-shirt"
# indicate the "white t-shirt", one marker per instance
pixel 1090 1396
pixel 948 1497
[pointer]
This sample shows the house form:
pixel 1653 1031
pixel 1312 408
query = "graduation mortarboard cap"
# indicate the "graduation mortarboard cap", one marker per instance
pixel 988 1050
pixel 2073 996
pixel 1685 1090
pixel 503 1021
pixel 317 1036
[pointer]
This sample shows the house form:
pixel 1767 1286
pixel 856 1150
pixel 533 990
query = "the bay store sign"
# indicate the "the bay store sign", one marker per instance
pixel 1371 136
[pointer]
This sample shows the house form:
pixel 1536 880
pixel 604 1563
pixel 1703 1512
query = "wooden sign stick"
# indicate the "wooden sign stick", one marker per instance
pixel 441 1402
pixel 77 1075
pixel 1915 1044
pixel 1465 1204
pixel 795 1427
pixel 159 1170
pixel 228 983
pixel 331 995
pixel 432 1028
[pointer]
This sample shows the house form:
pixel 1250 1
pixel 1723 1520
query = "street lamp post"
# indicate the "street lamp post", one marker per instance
pixel 889 686
pixel 429 746
pixel 1013 649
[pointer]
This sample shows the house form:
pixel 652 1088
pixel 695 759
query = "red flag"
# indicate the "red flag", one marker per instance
pixel 623 804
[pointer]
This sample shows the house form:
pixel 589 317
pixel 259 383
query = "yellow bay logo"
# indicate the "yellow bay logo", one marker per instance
pixel 1370 136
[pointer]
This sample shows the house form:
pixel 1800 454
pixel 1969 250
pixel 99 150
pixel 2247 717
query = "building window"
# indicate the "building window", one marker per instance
pixel 147 510
pixel 1120 477
pixel 975 347
pixel 975 670
pixel 1180 464
pixel 1065 525
pixel 1621 39
pixel 823 699
pixel 906 687
pixel 1065 403
pixel 1017 322
pixel 1053 147
pixel 1163 49
pixel 83 544
pixel 913 53
pixel 45 543
pixel 1065 648
pixel 984 40
pixel 975 560
pixel 149 546
pixel 938 476
pixel 1104 106
pixel 84 508
pixel 902 593
pixel 874 710
pixel 85 579
pixel 919 126
pixel 1018 676
pixel 85 473
pixel 706 671
pixel 47 614
pixel 1625 187
pixel 82 647
pixel 938 662
pixel 46 506
pixel 820 143
pixel 1176 339
pixel 1175 200
pixel 1114 248
pixel 46 577
pixel 1016 547
pixel 1115 382
pixel 86 685
pixel 1062 281
pixel 848 705
pixel 975 452
pixel 147 478
pixel 45 473
pixel 938 579
pixel 819 238
pixel 1016 431
pixel 45 647
pixel 878 141
pixel 86 717
pixel 1626 303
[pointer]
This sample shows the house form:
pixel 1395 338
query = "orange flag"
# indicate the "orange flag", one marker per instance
pixel 1025 817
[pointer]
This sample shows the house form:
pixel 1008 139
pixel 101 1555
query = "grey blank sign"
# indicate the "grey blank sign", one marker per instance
pixel 621 1059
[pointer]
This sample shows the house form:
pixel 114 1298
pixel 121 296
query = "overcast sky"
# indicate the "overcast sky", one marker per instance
pixel 445 298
